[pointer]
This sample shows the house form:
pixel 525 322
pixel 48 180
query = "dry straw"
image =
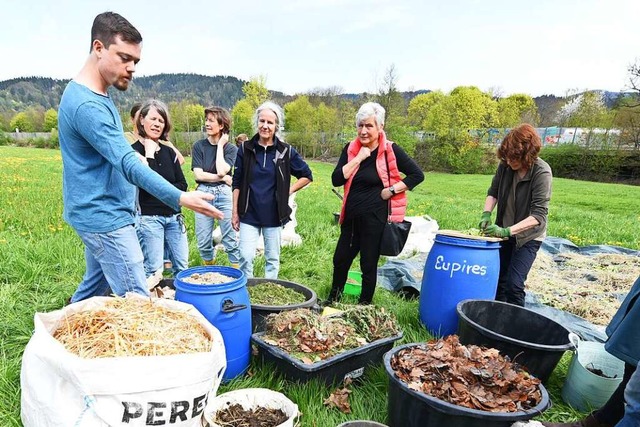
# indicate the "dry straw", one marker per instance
pixel 132 327
pixel 588 286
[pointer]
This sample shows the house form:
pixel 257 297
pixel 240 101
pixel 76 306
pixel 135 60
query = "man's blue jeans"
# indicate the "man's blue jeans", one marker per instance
pixel 114 263
pixel 204 225
pixel 158 232
pixel 249 236
pixel 632 398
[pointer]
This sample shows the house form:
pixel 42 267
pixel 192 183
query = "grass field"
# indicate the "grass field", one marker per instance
pixel 41 263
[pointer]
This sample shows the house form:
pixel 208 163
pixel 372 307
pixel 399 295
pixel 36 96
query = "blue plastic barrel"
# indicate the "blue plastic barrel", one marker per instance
pixel 227 307
pixel 456 269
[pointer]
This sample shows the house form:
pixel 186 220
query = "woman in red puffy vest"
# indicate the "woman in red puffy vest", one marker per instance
pixel 370 169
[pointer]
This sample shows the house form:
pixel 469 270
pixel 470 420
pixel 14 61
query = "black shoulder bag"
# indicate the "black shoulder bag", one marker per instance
pixel 395 234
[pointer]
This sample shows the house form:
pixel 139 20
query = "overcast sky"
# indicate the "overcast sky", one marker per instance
pixel 535 47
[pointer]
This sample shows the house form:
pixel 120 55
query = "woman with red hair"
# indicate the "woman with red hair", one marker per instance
pixel 521 188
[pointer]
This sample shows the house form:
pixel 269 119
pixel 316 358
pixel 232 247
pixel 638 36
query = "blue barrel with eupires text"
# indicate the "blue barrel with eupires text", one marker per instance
pixel 456 269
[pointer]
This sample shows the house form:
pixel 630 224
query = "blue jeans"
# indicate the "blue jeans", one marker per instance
pixel 632 398
pixel 158 232
pixel 114 263
pixel 249 236
pixel 204 225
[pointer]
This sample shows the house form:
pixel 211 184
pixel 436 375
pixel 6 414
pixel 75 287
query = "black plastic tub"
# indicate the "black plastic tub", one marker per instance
pixel 529 339
pixel 411 408
pixel 333 370
pixel 260 312
pixel 362 423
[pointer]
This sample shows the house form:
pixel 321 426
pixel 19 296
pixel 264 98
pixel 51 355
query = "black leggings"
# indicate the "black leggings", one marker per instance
pixel 359 235
pixel 613 410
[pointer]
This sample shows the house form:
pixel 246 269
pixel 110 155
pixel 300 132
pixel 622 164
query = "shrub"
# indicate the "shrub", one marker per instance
pixel 54 140
pixel 4 139
pixel 454 155
pixel 607 164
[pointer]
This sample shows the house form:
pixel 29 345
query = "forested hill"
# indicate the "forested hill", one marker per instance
pixel 21 93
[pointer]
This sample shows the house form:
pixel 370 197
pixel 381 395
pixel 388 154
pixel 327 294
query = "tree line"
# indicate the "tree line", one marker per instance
pixel 320 121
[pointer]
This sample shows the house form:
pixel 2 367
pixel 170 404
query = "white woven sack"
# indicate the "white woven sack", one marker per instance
pixel 62 389
pixel 250 398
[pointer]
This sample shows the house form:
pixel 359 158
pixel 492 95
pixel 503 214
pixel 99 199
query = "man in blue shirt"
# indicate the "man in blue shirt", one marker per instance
pixel 99 165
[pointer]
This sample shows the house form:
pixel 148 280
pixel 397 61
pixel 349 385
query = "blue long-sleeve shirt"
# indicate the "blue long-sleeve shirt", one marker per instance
pixel 100 169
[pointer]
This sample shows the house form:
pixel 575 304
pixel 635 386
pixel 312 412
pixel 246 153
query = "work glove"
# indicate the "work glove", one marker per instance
pixel 496 231
pixel 485 220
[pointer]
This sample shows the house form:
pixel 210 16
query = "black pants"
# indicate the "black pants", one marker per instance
pixel 360 235
pixel 514 267
pixel 613 411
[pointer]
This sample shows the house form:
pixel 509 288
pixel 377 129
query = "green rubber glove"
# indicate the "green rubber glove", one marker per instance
pixel 496 231
pixel 485 220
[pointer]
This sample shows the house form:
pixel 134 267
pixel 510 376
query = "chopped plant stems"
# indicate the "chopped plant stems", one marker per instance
pixel 269 293
pixel 587 286
pixel 131 327
pixel 310 337
pixel 470 376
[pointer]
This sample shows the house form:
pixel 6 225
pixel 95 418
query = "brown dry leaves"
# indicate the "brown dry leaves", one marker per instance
pixel 473 377
pixel 340 398
pixel 131 327
pixel 583 285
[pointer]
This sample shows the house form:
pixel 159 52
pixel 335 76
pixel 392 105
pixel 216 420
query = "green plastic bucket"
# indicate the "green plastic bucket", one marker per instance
pixel 353 288
pixel 583 389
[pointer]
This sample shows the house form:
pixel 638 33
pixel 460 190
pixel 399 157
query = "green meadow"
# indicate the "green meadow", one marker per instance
pixel 41 263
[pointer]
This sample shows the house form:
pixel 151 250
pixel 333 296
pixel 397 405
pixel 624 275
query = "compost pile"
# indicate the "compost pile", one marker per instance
pixel 473 377
pixel 269 293
pixel 131 327
pixel 310 337
pixel 236 416
pixel 587 286
pixel 209 278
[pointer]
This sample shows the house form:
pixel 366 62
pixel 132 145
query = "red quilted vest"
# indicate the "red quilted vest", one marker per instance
pixel 399 201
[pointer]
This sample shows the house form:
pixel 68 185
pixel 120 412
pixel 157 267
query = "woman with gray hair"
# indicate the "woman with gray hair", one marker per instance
pixel 374 191
pixel 262 186
pixel 160 225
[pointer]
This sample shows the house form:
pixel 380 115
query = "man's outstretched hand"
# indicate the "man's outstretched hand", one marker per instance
pixel 198 201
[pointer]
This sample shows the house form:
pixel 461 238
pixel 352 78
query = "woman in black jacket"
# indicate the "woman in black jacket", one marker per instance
pixel 160 226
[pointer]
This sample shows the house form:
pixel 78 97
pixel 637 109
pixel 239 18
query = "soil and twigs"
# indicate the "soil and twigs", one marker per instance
pixel 274 294
pixel 310 337
pixel 131 327
pixel 469 376
pixel 588 286
pixel 210 278
pixel 598 371
pixel 236 416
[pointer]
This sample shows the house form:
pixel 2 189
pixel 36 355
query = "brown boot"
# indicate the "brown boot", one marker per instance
pixel 590 421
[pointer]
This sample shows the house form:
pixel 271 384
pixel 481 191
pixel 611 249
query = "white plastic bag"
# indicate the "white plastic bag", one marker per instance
pixel 62 389
pixel 251 398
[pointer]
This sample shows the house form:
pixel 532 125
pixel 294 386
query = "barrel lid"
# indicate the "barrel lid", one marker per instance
pixel 454 233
